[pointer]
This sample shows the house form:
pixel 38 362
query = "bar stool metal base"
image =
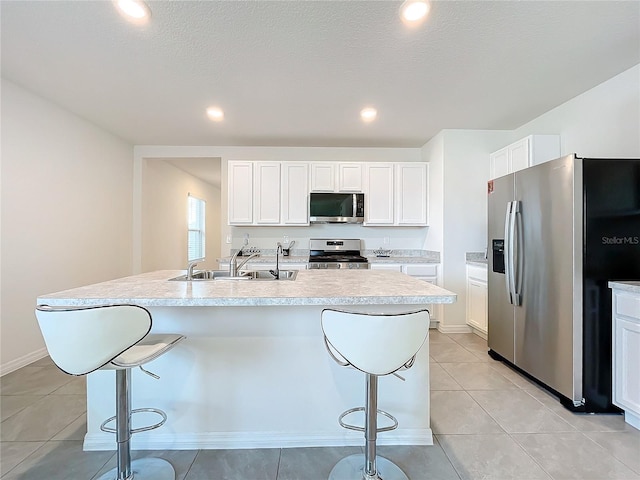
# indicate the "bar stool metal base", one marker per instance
pixel 352 468
pixel 145 469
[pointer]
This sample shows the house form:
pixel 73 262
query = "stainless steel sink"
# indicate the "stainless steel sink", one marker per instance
pixel 267 275
pixel 208 275
pixel 201 275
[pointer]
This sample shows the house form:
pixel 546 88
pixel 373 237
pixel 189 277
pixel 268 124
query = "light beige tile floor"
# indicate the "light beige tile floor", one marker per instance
pixel 489 423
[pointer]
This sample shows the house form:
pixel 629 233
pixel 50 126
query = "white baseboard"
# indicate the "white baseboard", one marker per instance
pixel 454 328
pixel 23 361
pixel 244 440
pixel 632 419
pixel 478 332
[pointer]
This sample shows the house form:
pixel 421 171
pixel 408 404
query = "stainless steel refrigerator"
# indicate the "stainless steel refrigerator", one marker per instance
pixel 557 233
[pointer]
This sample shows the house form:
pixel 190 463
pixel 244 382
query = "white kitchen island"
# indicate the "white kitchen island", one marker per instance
pixel 253 371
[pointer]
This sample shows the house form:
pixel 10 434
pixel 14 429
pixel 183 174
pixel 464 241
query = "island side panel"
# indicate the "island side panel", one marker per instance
pixel 256 377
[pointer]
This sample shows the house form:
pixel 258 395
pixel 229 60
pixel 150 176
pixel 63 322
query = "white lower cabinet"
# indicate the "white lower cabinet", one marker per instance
pixel 477 298
pixel 427 272
pixel 626 354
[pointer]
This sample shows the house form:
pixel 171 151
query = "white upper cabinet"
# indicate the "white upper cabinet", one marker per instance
pixel 336 177
pixel 379 193
pixel 266 193
pixel 277 193
pixel 295 193
pixel 524 153
pixel 500 163
pixel 240 193
pixel 411 194
pixel 323 177
pixel 519 154
pixel 396 194
pixel 350 177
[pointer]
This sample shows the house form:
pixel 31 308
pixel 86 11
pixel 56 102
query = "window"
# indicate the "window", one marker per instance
pixel 196 238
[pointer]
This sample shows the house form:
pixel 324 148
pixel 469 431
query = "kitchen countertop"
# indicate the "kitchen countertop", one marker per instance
pixel 311 287
pixel 630 286
pixel 270 259
pixel 398 256
pixel 476 259
pixel 403 260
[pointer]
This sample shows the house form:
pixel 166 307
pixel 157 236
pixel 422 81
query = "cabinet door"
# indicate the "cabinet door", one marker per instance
pixel 267 193
pixel 543 148
pixel 240 193
pixel 627 361
pixel 519 157
pixel 379 204
pixel 477 294
pixel 432 307
pixel 350 177
pixel 295 189
pixel 477 304
pixel 411 194
pixel 427 273
pixel 499 163
pixel 323 177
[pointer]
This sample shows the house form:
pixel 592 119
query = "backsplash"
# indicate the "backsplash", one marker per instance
pixel 405 239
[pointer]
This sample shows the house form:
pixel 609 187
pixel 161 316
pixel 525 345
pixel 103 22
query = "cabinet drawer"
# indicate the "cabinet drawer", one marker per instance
pixel 421 270
pixel 628 305
pixel 386 266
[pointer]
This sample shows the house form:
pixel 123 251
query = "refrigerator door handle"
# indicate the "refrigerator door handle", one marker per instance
pixel 508 251
pixel 516 252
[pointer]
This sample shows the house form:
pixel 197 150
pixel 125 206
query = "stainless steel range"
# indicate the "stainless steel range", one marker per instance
pixel 336 253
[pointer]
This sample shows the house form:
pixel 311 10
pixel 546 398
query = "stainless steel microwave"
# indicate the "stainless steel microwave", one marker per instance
pixel 336 207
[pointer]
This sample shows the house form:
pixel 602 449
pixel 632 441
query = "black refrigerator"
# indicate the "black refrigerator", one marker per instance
pixel 557 233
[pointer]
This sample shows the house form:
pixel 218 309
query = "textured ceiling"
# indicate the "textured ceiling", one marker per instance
pixel 297 73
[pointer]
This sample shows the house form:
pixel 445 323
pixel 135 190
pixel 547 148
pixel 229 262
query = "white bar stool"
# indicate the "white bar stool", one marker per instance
pixel 376 344
pixel 81 340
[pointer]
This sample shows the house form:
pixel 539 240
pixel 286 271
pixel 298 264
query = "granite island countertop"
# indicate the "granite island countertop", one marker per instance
pixel 628 286
pixel 311 287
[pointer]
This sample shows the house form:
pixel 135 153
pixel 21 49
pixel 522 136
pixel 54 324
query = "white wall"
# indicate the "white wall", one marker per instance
pixel 602 122
pixel 459 169
pixel 66 212
pixel 266 237
pixel 164 217
pixel 433 153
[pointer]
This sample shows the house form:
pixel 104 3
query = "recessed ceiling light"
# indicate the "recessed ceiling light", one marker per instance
pixel 413 11
pixel 134 10
pixel 368 114
pixel 216 114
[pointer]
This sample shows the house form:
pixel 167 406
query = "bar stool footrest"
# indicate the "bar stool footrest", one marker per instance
pixel 157 411
pixel 361 429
